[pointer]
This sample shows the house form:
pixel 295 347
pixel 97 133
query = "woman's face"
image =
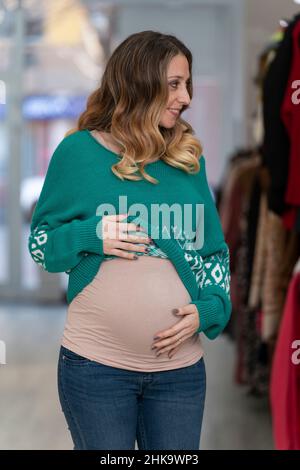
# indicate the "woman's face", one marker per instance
pixel 178 75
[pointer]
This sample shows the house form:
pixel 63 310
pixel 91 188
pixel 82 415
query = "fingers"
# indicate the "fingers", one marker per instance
pixel 115 233
pixel 116 216
pixel 123 226
pixel 131 247
pixel 123 254
pixel 173 351
pixel 130 226
pixel 173 330
pixel 170 343
pixel 125 249
pixel 134 238
pixel 119 230
pixel 177 344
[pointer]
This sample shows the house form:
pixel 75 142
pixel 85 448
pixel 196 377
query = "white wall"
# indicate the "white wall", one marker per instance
pixel 213 32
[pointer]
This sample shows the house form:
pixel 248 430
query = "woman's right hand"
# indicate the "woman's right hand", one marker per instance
pixel 114 234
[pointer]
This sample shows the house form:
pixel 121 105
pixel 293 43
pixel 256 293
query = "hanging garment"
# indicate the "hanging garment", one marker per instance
pixel 285 376
pixel 282 251
pixel 290 114
pixel 276 146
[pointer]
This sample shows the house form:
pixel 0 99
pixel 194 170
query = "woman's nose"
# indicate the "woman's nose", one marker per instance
pixel 183 97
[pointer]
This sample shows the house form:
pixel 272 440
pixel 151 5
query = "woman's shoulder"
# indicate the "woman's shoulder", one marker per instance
pixel 200 176
pixel 68 151
pixel 73 137
pixel 72 141
pixel 202 162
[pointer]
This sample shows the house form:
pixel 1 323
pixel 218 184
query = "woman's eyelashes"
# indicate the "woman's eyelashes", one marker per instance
pixel 174 84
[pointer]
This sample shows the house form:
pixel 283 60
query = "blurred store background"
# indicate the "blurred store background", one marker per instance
pixel 53 54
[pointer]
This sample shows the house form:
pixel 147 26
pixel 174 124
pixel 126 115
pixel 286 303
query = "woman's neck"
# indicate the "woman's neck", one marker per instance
pixel 106 140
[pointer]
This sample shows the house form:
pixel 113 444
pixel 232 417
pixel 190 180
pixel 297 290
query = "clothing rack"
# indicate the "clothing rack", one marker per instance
pixel 259 206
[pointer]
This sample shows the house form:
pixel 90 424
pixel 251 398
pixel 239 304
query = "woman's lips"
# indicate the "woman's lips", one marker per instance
pixel 173 112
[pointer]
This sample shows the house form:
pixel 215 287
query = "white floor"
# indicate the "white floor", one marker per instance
pixel 30 413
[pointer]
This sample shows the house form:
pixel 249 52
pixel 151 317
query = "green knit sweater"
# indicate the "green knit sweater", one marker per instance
pixel 80 188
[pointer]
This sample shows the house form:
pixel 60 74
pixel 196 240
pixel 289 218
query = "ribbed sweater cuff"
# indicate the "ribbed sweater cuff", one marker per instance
pixel 89 235
pixel 213 308
pixel 209 312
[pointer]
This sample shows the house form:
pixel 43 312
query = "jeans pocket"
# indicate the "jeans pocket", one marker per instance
pixel 72 358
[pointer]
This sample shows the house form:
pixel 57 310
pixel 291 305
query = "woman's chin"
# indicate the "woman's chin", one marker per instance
pixel 167 125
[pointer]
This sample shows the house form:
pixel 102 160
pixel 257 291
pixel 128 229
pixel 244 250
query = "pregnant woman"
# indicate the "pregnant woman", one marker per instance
pixel 141 287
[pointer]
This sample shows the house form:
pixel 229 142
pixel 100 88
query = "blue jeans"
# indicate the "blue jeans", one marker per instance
pixel 109 408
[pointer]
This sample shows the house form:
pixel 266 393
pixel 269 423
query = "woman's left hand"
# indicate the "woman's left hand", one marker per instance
pixel 172 338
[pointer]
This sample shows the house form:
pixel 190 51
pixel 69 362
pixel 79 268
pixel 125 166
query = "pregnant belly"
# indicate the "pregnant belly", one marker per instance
pixel 127 303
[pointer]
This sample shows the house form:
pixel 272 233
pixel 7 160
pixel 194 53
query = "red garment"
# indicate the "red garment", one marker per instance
pixel 285 374
pixel 289 217
pixel 290 114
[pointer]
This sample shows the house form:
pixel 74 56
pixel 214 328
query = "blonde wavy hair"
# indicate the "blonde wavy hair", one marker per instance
pixel 130 100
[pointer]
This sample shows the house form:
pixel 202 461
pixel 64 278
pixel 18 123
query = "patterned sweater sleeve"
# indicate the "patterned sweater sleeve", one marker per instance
pixel 213 302
pixel 59 234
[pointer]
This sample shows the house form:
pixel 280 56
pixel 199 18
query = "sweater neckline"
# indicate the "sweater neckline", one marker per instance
pixel 88 132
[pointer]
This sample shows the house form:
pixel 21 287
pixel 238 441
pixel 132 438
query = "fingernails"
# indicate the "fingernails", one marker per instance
pixel 175 310
pixel 156 337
